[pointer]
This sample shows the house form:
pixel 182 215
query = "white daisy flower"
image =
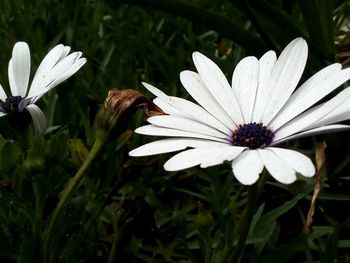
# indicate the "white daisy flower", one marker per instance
pixel 243 122
pixel 56 67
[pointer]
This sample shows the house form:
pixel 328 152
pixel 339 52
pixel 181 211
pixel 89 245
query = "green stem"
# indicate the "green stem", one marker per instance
pixel 116 234
pixel 243 225
pixel 262 181
pixel 209 249
pixel 70 188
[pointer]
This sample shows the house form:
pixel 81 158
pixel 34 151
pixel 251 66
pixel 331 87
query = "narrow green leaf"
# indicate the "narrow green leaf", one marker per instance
pixel 283 253
pixel 334 196
pixel 331 249
pixel 345 243
pixel 225 26
pixel 318 18
pixel 10 156
pixel 271 216
pixel 274 25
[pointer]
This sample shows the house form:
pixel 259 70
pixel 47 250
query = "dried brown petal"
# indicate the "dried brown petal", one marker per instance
pixel 152 109
pixel 129 100
pixel 122 100
pixel 119 105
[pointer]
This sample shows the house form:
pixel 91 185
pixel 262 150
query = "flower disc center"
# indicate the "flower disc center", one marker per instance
pixel 253 135
pixel 10 105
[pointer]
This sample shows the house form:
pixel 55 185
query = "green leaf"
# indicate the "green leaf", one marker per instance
pixel 270 217
pixel 256 218
pixel 318 17
pixel 284 252
pixel 331 249
pixel 267 223
pixel 225 26
pixel 345 243
pixel 274 25
pixel 10 157
pixel 334 196
pixel 343 162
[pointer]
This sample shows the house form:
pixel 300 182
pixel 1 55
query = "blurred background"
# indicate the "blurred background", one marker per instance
pixel 130 210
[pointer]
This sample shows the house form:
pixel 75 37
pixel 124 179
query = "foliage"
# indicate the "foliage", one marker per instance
pixel 131 210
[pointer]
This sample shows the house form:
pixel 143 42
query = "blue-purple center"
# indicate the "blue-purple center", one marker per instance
pixel 253 135
pixel 10 105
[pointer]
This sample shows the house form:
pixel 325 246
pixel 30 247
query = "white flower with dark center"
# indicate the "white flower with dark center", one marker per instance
pixel 56 67
pixel 243 122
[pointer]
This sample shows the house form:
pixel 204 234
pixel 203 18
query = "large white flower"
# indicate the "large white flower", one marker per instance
pixel 243 122
pixel 56 67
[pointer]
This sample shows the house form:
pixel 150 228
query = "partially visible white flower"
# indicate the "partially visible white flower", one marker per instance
pixel 56 67
pixel 243 122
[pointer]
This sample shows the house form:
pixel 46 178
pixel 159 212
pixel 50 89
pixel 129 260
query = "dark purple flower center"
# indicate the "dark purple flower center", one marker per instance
pixel 253 135
pixel 10 105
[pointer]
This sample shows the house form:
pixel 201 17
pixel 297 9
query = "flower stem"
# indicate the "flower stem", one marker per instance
pixel 243 225
pixel 70 188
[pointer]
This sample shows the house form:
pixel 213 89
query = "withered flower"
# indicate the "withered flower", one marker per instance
pixel 119 106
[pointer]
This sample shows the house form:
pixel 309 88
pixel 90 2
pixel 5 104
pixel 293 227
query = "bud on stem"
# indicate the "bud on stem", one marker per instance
pixel 119 106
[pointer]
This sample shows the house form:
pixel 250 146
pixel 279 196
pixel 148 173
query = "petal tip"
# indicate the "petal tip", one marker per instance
pixel 132 153
pixel 168 168
pixel 21 44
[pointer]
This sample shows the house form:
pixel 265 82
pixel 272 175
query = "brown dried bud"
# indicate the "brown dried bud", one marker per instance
pixel 128 100
pixel 120 104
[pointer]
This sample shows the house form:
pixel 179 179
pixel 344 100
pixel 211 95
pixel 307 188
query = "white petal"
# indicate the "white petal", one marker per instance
pixel 167 108
pixel 313 90
pixel 299 162
pixel 266 64
pixel 285 76
pixel 245 85
pixel 65 52
pixel 2 114
pixel 64 65
pixel 25 102
pixel 68 73
pixel 155 91
pixel 186 159
pixel 189 110
pixel 172 145
pixel 193 157
pixel 64 72
pixel 39 119
pixel 316 131
pixel 197 113
pixel 247 167
pixel 59 80
pixel 340 113
pixel 45 66
pixel 3 95
pixel 217 84
pixel 12 80
pixel 19 69
pixel 219 155
pixel 162 100
pixel 161 131
pixel 183 124
pixel 194 85
pixel 311 116
pixel 277 167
